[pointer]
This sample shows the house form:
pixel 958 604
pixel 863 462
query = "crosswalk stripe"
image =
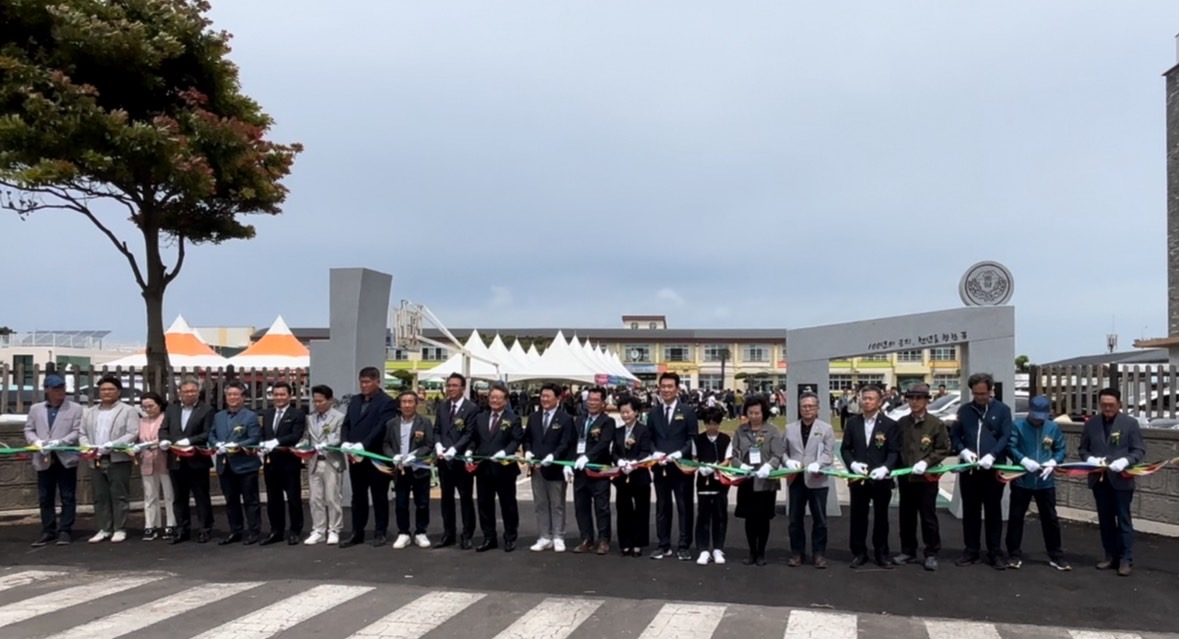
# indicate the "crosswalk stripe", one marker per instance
pixel 37 606
pixel 277 617
pixel 553 618
pixel 805 624
pixel 16 580
pixel 1090 634
pixel 419 616
pixel 140 617
pixel 960 630
pixel 684 621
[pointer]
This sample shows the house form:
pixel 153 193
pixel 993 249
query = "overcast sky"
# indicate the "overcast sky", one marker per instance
pixel 738 164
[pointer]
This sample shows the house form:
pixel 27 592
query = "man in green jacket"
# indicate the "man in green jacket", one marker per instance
pixel 925 442
pixel 1038 444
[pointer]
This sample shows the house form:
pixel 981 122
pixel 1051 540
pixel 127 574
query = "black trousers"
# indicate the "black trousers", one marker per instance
pixel 368 481
pixel 55 480
pixel 919 501
pixel 712 520
pixel 195 482
pixel 802 498
pixel 284 485
pixel 591 502
pixel 493 480
pixel 1045 498
pixel 452 477
pixel 405 486
pixel 1113 517
pixel 671 483
pixel 241 493
pixel 982 492
pixel 633 502
pixel 873 495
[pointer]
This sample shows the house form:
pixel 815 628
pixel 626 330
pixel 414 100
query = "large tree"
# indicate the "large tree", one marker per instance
pixel 131 109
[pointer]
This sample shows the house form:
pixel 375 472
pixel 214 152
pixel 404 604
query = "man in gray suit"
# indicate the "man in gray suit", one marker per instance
pixel 51 423
pixel 325 471
pixel 109 424
pixel 810 444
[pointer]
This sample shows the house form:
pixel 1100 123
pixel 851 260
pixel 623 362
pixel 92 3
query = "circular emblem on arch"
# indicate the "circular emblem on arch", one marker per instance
pixel 986 284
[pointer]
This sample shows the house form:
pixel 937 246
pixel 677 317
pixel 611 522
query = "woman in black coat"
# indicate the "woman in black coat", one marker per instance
pixel 632 444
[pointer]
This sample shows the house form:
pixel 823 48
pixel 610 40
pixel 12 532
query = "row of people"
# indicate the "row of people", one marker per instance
pixel 872 445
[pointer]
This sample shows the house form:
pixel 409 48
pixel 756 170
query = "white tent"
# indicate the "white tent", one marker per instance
pixel 479 368
pixel 611 363
pixel 521 356
pixel 533 354
pixel 510 365
pixel 185 350
pixel 559 361
pixel 278 348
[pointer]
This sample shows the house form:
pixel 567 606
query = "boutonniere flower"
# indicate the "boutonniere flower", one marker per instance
pixel 239 429
pixel 926 442
pixel 555 425
pixel 419 435
pixel 630 442
pixel 503 423
pixel 1115 436
pixel 595 432
pixel 458 423
pixel 679 417
pixel 880 440
pixel 1048 441
pixel 761 439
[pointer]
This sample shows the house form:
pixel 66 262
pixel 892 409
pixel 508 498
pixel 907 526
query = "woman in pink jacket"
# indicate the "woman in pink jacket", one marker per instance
pixel 153 467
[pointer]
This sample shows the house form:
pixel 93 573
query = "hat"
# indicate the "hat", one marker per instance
pixel 918 390
pixel 1039 408
pixel 54 381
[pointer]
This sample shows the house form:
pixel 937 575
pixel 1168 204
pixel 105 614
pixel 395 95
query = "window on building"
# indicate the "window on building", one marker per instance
pixel 952 382
pixel 434 354
pixel 755 353
pixel 399 355
pixel 634 326
pixel 711 382
pixel 875 358
pixel 677 353
pixel 944 354
pixel 637 353
pixel 652 325
pixel 869 380
pixel 713 352
pixel 839 382
pixel 911 356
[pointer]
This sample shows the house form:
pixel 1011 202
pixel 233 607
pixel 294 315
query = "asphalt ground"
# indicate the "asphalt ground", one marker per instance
pixel 1036 594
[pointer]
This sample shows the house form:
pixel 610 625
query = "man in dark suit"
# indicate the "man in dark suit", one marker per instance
pixel 453 428
pixel 871 446
pixel 234 430
pixel 498 435
pixel 673 429
pixel 981 434
pixel 188 423
pixel 283 425
pixel 549 437
pixel 591 496
pixel 1113 439
pixel 364 429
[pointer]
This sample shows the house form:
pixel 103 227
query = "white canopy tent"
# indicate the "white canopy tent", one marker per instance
pixel 533 354
pixel 559 362
pixel 510 365
pixel 278 348
pixel 454 364
pixel 185 350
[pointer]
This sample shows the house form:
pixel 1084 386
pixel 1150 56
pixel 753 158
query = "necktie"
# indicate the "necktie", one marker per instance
pixel 548 418
pixel 668 415
pixel 494 424
pixel 278 417
pixel 453 411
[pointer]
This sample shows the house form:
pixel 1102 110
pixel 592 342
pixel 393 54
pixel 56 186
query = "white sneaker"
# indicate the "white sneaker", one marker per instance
pixel 559 545
pixel 704 557
pixel 314 538
pixel 718 556
pixel 119 537
pixel 333 539
pixel 421 540
pixel 541 544
pixel 100 536
pixel 402 542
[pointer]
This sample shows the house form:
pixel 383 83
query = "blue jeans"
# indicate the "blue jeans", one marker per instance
pixel 1113 516
pixel 57 479
pixel 801 498
pixel 403 486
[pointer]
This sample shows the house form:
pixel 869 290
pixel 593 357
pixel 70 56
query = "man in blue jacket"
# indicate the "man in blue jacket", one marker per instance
pixel 980 436
pixel 235 429
pixel 1038 443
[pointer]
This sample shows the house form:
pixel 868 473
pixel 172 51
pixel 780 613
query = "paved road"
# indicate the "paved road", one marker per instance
pixel 591 596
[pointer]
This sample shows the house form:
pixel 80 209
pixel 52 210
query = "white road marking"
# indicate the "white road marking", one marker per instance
pixel 683 621
pixel 961 630
pixel 140 617
pixel 1090 634
pixel 805 624
pixel 419 616
pixel 279 616
pixel 553 618
pixel 66 597
pixel 16 580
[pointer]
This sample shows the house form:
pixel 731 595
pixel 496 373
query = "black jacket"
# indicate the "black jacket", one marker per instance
pixel 559 440
pixel 637 449
pixel 457 433
pixel 288 433
pixel 367 426
pixel 598 435
pixel 711 453
pixel 676 436
pixel 507 437
pixel 883 450
pixel 200 423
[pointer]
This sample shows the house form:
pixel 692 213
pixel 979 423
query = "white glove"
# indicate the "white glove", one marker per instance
pixel 183 442
pixel 793 464
pixel 321 447
pixel 627 468
pixel 528 456
pixel 39 443
pixel 920 467
pixel 676 455
pixel 746 467
pixel 222 449
pixel 1095 461
pixel 141 446
pixel 879 473
pixel 1030 464
pixel 967 456
pixel 986 462
pixel 499 455
pixel 470 454
pixel 1047 469
pixel 106 448
pixel 53 443
pixel 764 471
pixel 859 468
pixel 270 445
pixel 439 449
pixel 165 444
pixel 397 460
pixel 568 474
pixel 409 458
pixel 547 461
pixel 1119 464
pixel 450 453
pixel 813 468
pixel 580 463
pixel 705 471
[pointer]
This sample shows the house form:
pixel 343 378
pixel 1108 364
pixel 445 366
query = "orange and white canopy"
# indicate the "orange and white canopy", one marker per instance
pixel 278 348
pixel 185 350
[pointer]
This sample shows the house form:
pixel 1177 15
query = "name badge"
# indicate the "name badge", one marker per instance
pixel 581 447
pixel 755 456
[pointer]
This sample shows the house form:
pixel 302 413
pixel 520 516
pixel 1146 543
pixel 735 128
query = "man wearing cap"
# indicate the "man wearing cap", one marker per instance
pixel 925 442
pixel 52 423
pixel 1038 444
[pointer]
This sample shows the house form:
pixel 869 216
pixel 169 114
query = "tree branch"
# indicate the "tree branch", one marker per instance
pixel 171 275
pixel 122 246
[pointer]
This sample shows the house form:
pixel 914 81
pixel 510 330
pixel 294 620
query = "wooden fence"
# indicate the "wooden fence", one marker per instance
pixel 21 387
pixel 1148 390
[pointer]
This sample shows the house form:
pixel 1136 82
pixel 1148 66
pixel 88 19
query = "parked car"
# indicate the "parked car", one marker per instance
pixel 1168 423
pixel 937 407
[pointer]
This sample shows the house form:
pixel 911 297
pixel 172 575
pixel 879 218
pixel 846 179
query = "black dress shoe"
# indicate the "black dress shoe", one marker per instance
pixel 749 561
pixel 292 539
pixel 231 539
pixel 203 537
pixel 858 560
pixel 272 538
pixel 509 546
pixel 378 541
pixel 465 543
pixel 487 544
pixel 884 562
pixel 354 540
pixel 250 540
pixel 447 540
pixel 179 539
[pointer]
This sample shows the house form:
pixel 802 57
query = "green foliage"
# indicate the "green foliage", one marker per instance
pixel 5 331
pixel 1021 363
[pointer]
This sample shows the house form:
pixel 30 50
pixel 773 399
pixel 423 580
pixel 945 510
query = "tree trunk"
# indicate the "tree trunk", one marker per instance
pixel 158 375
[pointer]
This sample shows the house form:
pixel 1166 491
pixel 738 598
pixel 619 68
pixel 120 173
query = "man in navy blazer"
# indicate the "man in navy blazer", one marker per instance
pixel 283 425
pixel 673 429
pixel 364 429
pixel 234 429
pixel 981 435
pixel 453 428
pixel 497 435
pixel 1113 439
